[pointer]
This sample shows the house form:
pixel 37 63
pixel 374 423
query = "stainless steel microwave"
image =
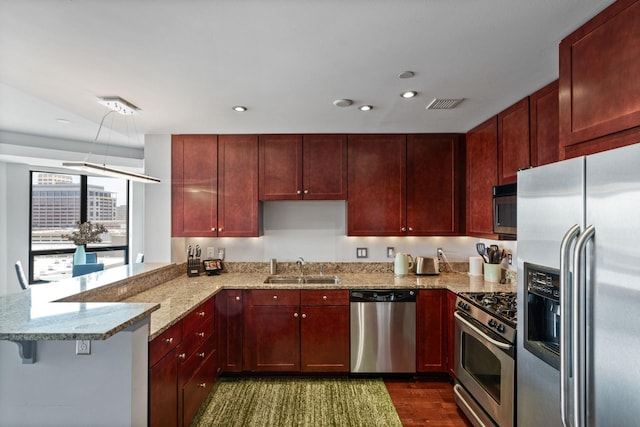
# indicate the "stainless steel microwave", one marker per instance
pixel 505 212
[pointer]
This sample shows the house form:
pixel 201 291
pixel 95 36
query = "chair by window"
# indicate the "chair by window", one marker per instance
pixel 22 279
pixel 80 269
pixel 91 257
pixel 140 257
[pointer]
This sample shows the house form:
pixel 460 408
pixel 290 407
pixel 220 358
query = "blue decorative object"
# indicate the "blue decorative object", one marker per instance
pixel 79 256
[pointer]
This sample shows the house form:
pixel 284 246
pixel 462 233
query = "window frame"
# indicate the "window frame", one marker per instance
pixel 84 197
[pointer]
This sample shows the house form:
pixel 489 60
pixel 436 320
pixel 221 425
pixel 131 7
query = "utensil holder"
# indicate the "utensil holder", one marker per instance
pixel 193 267
pixel 492 272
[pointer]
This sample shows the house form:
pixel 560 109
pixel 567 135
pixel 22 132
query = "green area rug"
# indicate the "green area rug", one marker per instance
pixel 298 402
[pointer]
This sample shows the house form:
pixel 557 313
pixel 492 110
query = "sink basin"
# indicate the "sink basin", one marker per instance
pixel 316 280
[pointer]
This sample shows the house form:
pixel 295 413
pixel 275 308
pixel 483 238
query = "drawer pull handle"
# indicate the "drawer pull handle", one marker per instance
pixel 275 297
pixel 182 356
pixel 200 334
pixel 201 354
pixel 203 385
pixel 324 297
pixel 201 313
pixel 169 340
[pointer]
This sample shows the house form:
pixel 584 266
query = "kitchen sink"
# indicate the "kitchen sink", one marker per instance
pixel 315 280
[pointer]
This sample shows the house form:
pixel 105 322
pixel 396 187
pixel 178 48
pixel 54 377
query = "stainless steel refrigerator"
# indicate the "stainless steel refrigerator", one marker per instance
pixel 598 323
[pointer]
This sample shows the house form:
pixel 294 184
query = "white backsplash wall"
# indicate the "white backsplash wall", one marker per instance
pixel 316 231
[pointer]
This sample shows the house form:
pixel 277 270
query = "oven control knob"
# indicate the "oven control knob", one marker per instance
pixel 500 328
pixel 492 323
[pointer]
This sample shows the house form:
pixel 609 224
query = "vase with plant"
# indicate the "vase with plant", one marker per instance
pixel 87 233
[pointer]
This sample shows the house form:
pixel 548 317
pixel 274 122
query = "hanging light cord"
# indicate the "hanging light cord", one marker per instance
pixel 88 156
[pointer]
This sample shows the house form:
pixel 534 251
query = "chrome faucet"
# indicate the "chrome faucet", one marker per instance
pixel 300 263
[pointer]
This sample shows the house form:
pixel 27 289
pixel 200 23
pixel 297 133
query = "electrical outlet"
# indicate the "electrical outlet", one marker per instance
pixel 83 346
pixel 440 253
pixel 362 253
pixel 391 251
pixel 510 258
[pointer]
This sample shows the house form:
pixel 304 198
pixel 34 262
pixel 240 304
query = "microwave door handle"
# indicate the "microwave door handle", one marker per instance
pixel 498 344
pixel 565 322
pixel 579 321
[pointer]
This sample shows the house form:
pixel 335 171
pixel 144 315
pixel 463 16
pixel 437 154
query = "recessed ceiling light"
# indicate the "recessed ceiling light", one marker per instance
pixel 365 108
pixel 342 102
pixel 408 94
pixel 239 108
pixel 406 74
pixel 63 121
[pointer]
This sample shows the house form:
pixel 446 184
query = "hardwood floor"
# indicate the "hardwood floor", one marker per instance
pixel 425 403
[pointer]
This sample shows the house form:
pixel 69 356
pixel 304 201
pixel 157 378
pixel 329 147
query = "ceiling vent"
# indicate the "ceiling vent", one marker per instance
pixel 444 104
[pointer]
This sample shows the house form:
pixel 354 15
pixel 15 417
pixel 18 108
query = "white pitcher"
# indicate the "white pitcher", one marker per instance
pixel 403 264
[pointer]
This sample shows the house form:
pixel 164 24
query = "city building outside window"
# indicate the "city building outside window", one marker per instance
pixel 58 202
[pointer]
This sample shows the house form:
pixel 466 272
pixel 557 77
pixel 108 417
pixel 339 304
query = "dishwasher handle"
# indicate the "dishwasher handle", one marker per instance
pixel 382 295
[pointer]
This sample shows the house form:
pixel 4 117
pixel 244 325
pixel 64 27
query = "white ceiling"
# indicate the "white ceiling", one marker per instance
pixel 185 63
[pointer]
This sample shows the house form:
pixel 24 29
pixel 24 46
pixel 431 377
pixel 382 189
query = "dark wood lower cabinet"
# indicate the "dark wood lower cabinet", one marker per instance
pixel 229 329
pixel 431 330
pixel 163 391
pixel 275 343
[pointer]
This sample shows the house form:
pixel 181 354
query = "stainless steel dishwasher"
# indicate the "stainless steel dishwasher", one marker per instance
pixel 383 331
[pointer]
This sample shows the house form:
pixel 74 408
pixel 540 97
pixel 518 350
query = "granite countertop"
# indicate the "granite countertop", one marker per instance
pixel 58 311
pixel 180 295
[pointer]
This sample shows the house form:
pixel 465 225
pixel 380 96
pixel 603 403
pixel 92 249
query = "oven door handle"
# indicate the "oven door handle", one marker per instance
pixel 478 331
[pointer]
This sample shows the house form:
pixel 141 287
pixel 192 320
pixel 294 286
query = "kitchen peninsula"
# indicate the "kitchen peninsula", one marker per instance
pixel 109 386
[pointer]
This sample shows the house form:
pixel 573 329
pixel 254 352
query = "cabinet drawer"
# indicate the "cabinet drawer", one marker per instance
pixel 197 315
pixel 164 343
pixel 324 297
pixel 275 297
pixel 197 388
pixel 193 339
pixel 192 362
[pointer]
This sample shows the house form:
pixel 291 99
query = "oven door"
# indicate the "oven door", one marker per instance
pixel 485 367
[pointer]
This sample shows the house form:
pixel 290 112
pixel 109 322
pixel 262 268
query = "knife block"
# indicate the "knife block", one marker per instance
pixel 193 267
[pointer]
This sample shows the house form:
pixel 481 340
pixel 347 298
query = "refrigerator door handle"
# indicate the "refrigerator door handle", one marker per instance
pixel 579 329
pixel 565 323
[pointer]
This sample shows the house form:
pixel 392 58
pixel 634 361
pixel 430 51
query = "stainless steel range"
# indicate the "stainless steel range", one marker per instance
pixel 485 357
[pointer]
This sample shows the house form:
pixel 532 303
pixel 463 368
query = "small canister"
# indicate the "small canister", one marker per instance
pixel 273 266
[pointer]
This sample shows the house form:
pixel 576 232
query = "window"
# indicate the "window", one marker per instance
pixel 58 201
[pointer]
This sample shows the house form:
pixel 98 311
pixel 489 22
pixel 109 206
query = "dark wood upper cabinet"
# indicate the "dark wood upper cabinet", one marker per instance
pixel 435 184
pixel 599 84
pixel 513 141
pixel 194 183
pixel 293 167
pixel 543 111
pixel 482 167
pixel 238 206
pixel 377 185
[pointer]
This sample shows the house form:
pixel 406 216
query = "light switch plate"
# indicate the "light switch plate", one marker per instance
pixel 391 251
pixel 362 253
pixel 83 347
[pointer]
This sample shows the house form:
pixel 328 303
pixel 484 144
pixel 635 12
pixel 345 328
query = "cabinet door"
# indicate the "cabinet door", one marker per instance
pixel 274 339
pixel 324 171
pixel 599 84
pixel 543 110
pixel 431 329
pixel 377 185
pixel 194 185
pixel 435 184
pixel 513 141
pixel 280 159
pixel 451 333
pixel 238 206
pixel 324 338
pixel 163 392
pixel 229 324
pixel 482 166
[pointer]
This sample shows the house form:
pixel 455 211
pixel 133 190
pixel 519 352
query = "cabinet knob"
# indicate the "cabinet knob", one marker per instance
pixel 324 297
pixel 298 192
pixel 203 385
pixel 169 340
pixel 201 354
pixel 304 316
pixel 306 191
pixel 275 297
pixel 295 315
pixel 201 313
pixel 237 298
pixel 410 229
pixel 200 334
pixel 220 229
pixel 403 229
pixel 182 356
pixel 213 229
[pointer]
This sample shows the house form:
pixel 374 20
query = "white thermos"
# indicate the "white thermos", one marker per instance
pixel 402 264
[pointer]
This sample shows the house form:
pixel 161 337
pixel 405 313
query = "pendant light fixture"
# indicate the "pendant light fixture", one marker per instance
pixel 120 106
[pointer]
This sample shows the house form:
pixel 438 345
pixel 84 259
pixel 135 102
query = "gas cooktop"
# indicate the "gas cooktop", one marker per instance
pixel 500 304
